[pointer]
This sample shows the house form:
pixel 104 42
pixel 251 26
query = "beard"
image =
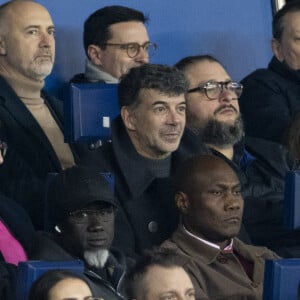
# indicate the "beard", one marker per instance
pixel 42 64
pixel 97 258
pixel 217 133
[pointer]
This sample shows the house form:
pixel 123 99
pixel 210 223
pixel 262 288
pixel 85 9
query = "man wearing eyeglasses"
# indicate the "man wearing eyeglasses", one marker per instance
pixel 115 40
pixel 81 214
pixel 213 115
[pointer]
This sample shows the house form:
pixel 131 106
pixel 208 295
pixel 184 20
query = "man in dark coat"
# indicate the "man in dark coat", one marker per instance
pixel 81 213
pixel 31 121
pixel 213 115
pixel 271 96
pixel 143 156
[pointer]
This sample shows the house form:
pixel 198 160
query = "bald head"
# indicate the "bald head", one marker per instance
pixel 200 169
pixel 208 196
pixel 12 10
pixel 27 46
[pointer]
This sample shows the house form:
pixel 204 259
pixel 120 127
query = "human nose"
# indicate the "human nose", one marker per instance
pixel 173 117
pixel 231 202
pixel 95 224
pixel 226 95
pixel 143 55
pixel 47 40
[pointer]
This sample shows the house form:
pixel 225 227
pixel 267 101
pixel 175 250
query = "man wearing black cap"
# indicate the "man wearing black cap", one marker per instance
pixel 81 210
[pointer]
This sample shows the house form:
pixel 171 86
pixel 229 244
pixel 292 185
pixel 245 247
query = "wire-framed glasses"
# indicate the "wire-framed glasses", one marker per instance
pixel 213 89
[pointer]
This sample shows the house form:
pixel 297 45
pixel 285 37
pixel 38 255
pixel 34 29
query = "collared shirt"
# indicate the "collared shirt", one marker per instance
pixel 227 249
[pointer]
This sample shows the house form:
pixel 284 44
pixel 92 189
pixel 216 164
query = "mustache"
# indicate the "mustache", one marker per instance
pixel 43 52
pixel 225 106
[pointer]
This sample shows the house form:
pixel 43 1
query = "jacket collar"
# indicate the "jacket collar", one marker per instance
pixel 282 69
pixel 18 111
pixel 94 74
pixel 198 250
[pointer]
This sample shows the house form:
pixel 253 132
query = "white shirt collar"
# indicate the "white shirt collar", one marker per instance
pixel 207 242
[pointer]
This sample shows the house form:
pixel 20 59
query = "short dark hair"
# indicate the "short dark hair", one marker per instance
pixel 96 27
pixel 163 257
pixel 277 23
pixel 165 79
pixel 186 174
pixel 41 287
pixel 186 62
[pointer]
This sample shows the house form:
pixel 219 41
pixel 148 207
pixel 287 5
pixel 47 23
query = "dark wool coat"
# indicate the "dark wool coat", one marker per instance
pixel 147 214
pixel 30 156
pixel 270 99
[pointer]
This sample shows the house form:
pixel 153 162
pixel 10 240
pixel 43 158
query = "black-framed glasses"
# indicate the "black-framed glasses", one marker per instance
pixel 213 89
pixel 133 49
pixel 3 148
pixel 83 215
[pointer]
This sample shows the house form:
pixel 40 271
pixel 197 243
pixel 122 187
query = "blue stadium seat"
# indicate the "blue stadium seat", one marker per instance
pixel 29 271
pixel 291 200
pixel 281 279
pixel 89 110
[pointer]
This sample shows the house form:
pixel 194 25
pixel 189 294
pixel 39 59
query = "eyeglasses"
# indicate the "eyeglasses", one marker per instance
pixel 213 89
pixel 3 148
pixel 83 215
pixel 92 298
pixel 133 49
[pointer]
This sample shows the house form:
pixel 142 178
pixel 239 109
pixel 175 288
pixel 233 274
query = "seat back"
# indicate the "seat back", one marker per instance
pixel 30 271
pixel 89 110
pixel 291 200
pixel 281 279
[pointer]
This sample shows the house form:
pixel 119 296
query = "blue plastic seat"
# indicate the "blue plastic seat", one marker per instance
pixel 89 110
pixel 281 279
pixel 29 271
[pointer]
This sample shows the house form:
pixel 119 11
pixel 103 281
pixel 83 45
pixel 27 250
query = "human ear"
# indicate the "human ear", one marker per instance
pixel 128 118
pixel 182 202
pixel 276 48
pixel 94 54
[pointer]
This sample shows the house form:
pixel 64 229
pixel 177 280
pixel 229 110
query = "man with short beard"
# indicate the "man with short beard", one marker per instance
pixel 213 114
pixel 81 215
pixel 31 119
